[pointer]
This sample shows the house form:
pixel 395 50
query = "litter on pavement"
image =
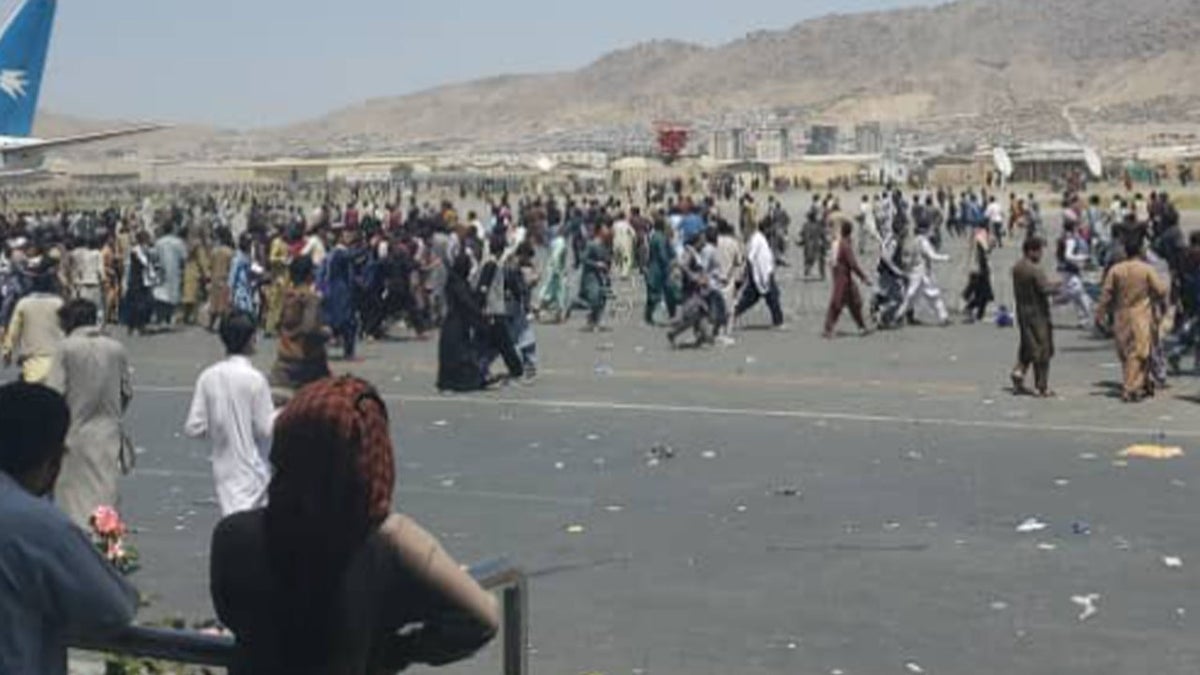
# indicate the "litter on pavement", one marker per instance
pixel 1088 603
pixel 1031 525
pixel 1151 451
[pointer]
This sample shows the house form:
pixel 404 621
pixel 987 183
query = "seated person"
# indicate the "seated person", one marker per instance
pixel 53 583
pixel 326 577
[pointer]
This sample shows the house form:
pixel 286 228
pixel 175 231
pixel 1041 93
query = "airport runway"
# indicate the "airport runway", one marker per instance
pixel 845 507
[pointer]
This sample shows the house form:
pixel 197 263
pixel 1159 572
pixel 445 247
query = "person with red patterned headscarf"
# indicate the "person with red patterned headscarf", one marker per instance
pixel 323 579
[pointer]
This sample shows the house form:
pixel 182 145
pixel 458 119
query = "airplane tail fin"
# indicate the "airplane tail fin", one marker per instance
pixel 24 42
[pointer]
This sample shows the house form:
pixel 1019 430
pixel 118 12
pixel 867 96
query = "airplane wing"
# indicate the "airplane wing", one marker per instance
pixel 64 141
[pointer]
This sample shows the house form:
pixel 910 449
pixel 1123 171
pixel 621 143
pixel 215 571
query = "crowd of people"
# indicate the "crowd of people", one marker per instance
pixel 298 446
pixel 355 267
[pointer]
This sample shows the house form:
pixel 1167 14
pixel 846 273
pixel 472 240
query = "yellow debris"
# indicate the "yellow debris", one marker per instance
pixel 1147 451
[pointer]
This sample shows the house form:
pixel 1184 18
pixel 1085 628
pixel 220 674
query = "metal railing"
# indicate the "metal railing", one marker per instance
pixel 193 648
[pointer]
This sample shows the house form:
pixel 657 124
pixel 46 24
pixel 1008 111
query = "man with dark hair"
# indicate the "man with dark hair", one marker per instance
pixel 1135 294
pixel 1187 337
pixel 55 583
pixel 1032 291
pixel 301 357
pixel 92 371
pixel 232 408
pixel 845 292
pixel 33 332
pixel 171 255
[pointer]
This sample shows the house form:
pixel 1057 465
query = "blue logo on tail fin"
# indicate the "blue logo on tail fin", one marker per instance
pixel 24 41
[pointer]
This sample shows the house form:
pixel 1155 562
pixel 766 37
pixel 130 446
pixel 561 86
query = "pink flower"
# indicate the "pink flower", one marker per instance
pixel 107 522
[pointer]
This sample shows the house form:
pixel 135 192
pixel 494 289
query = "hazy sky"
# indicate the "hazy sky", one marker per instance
pixel 246 63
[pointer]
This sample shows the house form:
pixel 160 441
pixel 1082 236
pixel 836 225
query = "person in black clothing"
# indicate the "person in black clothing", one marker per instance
pixel 458 354
pixel 399 273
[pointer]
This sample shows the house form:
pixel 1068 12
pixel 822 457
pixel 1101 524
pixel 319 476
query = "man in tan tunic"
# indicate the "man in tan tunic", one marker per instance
pixel 1133 291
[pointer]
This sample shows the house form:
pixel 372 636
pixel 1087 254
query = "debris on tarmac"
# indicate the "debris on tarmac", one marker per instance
pixel 658 453
pixel 440 423
pixel 786 491
pixel 560 465
pixel 1088 456
pixel 1152 451
pixel 603 370
pixel 1088 603
pixel 999 605
pixel 1046 546
pixel 614 508
pixel 1080 528
pixel 1031 525
pixel 1173 562
pixel 1061 482
pixel 575 529
pixel 914 667
pixel 708 454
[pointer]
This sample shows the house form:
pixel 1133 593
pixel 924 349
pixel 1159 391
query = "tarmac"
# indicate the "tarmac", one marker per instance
pixel 783 505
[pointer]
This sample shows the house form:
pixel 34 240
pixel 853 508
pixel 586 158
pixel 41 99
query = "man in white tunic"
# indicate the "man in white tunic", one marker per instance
pixel 921 281
pixel 232 408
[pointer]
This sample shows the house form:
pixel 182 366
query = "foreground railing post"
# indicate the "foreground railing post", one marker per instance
pixel 515 600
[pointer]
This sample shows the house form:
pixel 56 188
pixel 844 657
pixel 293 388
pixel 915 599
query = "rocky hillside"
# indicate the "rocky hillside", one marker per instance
pixel 967 69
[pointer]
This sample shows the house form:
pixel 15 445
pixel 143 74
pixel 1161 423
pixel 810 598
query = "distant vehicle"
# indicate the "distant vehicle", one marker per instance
pixel 24 43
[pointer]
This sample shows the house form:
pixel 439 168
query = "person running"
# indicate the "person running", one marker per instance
pixel 660 260
pixel 761 284
pixel 696 312
pixel 1072 256
pixel 595 284
pixel 922 283
pixel 978 293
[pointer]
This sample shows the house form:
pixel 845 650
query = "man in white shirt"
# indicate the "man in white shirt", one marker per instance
pixel 314 246
pixel 1073 256
pixel 624 238
pixel 54 586
pixel 87 270
pixel 868 226
pixel 995 218
pixel 232 408
pixel 922 284
pixel 762 279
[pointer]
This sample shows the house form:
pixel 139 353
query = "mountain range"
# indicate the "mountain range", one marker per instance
pixel 973 70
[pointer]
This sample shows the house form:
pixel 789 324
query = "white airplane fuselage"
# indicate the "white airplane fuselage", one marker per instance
pixel 13 158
